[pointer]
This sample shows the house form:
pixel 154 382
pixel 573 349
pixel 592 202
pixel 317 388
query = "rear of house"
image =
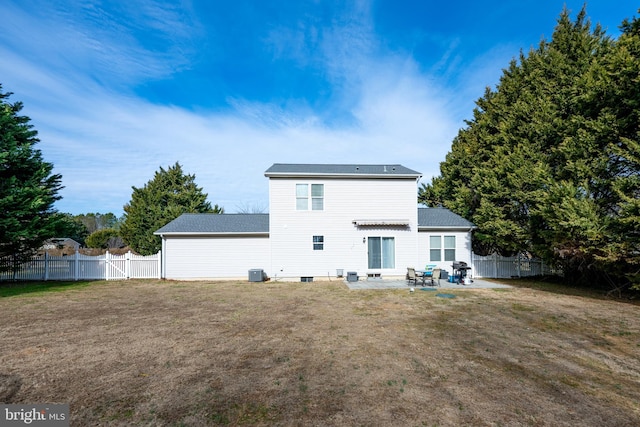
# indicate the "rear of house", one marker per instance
pixel 323 220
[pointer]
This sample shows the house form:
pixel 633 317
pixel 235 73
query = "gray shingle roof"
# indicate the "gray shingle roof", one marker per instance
pixel 441 218
pixel 217 223
pixel 259 223
pixel 289 169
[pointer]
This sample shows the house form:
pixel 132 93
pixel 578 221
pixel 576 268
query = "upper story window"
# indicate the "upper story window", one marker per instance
pixel 309 197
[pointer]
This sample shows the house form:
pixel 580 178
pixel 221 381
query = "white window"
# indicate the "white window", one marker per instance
pixel 382 252
pixel 304 198
pixel 318 243
pixel 449 248
pixel 436 248
pixel 317 197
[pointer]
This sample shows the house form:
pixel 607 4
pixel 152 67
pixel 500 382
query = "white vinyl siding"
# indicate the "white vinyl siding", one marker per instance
pixel 215 257
pixel 344 201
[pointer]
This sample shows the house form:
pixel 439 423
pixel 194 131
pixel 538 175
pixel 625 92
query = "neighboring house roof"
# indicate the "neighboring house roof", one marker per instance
pixel 441 218
pixel 217 224
pixel 59 242
pixel 285 170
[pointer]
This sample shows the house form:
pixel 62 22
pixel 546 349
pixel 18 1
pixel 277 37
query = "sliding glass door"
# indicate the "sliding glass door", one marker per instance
pixel 382 252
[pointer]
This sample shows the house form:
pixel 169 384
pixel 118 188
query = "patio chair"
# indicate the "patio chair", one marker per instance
pixel 428 269
pixel 435 275
pixel 411 275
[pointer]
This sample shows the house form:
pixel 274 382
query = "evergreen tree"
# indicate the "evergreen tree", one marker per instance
pixel 28 188
pixel 623 100
pixel 549 162
pixel 168 195
pixel 102 238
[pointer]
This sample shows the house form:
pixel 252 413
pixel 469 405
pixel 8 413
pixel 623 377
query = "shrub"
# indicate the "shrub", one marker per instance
pixel 102 238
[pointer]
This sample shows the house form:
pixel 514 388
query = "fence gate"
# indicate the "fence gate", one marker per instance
pixel 116 266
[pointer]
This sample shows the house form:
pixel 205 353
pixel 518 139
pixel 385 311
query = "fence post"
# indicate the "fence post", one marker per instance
pixel 106 265
pixel 127 265
pixel 495 264
pixel 46 266
pixel 76 267
pixel 159 264
pixel 518 266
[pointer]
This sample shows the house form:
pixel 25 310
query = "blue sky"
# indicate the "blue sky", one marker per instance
pixel 117 89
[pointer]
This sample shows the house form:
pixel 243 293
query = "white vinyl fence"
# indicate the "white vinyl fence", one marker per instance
pixel 501 267
pixel 84 267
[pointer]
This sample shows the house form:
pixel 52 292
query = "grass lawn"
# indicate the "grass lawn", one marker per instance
pixel 236 353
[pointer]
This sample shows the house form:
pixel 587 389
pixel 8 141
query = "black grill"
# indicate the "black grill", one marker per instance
pixel 460 269
pixel 460 265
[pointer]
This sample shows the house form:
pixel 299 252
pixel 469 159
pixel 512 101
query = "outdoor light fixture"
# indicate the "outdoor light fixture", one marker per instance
pixel 364 239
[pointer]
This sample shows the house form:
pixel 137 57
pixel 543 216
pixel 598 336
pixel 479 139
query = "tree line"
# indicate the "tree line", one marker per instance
pixel 550 162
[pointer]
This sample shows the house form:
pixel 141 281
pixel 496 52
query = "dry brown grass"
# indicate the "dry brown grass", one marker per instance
pixel 209 353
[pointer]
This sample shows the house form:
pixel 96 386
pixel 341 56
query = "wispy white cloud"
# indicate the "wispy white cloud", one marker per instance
pixel 103 139
pixel 84 40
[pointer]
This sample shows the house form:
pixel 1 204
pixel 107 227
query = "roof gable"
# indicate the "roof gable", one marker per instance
pixel 340 170
pixel 441 218
pixel 205 223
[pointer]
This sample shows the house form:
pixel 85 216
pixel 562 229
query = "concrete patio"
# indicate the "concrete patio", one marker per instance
pixel 404 284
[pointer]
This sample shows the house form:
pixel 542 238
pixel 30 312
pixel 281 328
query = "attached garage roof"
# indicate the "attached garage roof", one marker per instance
pixel 441 218
pixel 217 224
pixel 203 224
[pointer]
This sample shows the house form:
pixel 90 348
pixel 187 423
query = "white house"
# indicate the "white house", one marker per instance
pixel 323 220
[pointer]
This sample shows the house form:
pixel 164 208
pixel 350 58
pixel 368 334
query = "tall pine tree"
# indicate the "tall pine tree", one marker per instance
pixel 28 188
pixel 164 198
pixel 623 98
